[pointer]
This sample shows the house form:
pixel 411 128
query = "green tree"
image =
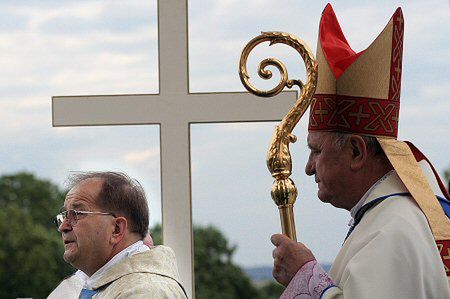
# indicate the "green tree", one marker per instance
pixel 41 199
pixel 216 276
pixel 447 178
pixel 271 290
pixel 31 263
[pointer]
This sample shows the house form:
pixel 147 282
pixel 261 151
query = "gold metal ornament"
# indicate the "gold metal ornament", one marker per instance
pixel 279 162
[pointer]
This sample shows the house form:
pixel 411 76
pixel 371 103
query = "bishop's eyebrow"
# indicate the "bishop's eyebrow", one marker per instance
pixel 78 205
pixel 75 206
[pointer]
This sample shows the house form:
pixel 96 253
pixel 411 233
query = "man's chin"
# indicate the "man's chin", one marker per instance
pixel 322 197
pixel 69 255
pixel 332 202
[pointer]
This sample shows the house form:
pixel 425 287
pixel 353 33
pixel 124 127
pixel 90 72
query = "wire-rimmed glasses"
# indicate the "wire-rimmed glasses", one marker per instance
pixel 72 216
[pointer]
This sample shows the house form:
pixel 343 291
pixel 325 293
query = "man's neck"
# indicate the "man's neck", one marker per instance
pixel 125 253
pixel 364 197
pixel 372 173
pixel 116 249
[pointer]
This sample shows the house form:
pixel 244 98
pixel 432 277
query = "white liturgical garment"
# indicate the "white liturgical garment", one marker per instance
pixel 391 253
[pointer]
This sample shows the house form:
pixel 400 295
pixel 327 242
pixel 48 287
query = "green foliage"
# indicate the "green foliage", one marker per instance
pixel 31 263
pixel 216 276
pixel 156 233
pixel 447 178
pixel 41 199
pixel 272 290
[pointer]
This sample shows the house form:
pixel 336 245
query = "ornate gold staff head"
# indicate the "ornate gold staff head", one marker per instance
pixel 279 161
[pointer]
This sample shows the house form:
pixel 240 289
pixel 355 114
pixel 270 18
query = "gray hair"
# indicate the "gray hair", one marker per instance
pixel 120 195
pixel 340 139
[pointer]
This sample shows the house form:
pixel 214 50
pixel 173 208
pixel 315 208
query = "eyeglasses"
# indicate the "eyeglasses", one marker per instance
pixel 72 216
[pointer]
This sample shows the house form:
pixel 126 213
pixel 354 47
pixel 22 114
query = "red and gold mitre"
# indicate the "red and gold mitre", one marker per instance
pixel 359 93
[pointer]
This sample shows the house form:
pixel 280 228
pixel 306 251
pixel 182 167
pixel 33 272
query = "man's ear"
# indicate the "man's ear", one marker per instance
pixel 359 152
pixel 120 228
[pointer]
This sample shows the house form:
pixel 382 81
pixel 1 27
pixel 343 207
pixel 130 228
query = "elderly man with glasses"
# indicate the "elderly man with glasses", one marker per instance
pixel 103 225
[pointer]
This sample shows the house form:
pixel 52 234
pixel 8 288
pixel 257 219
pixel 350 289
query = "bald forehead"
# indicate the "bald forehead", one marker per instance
pixel 84 193
pixel 94 183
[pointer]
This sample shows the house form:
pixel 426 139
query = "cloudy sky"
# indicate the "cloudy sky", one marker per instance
pixel 50 48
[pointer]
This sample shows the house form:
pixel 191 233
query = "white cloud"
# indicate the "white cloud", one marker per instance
pixel 141 156
pixel 433 90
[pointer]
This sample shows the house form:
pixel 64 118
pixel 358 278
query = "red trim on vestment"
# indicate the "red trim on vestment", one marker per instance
pixel 444 250
pixel 419 157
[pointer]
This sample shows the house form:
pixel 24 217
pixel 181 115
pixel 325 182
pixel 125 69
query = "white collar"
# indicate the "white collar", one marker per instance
pixel 127 252
pixel 363 199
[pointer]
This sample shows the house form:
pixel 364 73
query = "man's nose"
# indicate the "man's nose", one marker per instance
pixel 65 226
pixel 310 168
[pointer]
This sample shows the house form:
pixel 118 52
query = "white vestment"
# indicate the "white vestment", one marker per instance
pixel 391 253
pixel 148 274
pixel 69 288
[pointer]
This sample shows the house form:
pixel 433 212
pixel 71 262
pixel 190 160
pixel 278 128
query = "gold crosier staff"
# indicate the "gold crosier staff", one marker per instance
pixel 279 162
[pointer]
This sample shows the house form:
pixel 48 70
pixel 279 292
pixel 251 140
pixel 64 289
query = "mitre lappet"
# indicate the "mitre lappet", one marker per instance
pixel 359 93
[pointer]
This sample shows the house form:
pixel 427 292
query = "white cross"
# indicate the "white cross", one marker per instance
pixel 174 109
